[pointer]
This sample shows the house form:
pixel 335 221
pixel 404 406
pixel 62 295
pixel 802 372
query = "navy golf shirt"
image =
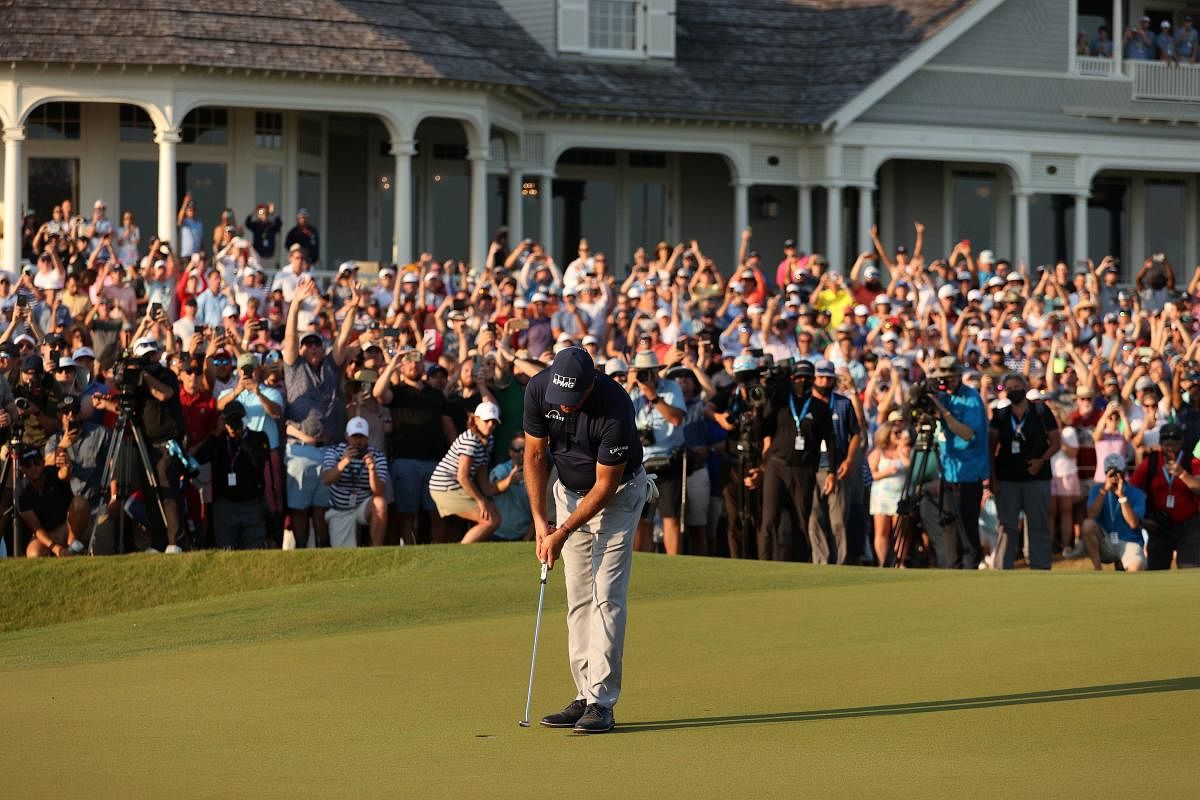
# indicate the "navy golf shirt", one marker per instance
pixel 602 431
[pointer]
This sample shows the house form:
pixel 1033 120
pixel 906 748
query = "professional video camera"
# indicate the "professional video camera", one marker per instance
pixel 127 380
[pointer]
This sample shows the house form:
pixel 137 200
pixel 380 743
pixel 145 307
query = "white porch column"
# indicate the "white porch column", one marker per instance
pixel 1191 211
pixel 516 221
pixel 13 200
pixel 546 207
pixel 167 139
pixel 402 239
pixel 479 232
pixel 804 231
pixel 1137 229
pixel 833 229
pixel 1021 237
pixel 741 213
pixel 1115 34
pixel 1079 250
pixel 866 217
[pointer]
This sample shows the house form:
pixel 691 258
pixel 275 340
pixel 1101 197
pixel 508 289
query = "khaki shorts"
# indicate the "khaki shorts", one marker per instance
pixel 343 524
pixel 1128 553
pixel 452 502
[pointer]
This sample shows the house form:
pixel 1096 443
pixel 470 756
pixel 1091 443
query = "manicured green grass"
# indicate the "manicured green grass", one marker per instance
pixel 402 673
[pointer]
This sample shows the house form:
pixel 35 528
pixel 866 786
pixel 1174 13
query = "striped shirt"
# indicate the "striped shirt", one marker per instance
pixel 354 485
pixel 468 443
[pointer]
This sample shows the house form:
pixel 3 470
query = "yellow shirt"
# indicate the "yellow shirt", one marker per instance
pixel 836 303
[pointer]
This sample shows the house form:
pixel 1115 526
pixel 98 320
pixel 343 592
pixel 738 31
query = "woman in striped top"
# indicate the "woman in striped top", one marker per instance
pixel 460 485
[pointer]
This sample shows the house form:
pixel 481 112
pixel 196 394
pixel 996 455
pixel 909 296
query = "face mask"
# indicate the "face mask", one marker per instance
pixel 802 386
pixel 1016 397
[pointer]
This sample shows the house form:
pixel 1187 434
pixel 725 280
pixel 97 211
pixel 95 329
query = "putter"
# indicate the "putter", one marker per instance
pixel 524 723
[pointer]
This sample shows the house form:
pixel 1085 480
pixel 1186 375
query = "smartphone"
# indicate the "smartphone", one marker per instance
pixel 155 310
pixel 521 324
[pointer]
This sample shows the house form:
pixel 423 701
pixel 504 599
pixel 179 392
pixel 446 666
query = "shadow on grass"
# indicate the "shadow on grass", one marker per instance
pixel 925 707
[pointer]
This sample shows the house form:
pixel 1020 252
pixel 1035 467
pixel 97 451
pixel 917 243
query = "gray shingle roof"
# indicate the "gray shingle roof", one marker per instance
pixel 788 61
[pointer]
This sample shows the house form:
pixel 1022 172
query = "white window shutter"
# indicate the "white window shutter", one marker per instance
pixel 572 26
pixel 660 28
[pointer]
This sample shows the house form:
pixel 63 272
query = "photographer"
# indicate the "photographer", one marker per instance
pixel 1112 531
pixel 151 393
pixel 737 409
pixel 1171 480
pixel 238 457
pixel 46 505
pixel 265 226
pixel 36 402
pixel 828 523
pixel 80 449
pixel 965 460
pixel 658 412
pixel 797 427
pixel 356 475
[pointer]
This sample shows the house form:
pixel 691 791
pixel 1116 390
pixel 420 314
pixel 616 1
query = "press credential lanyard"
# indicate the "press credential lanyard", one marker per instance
pixel 796 419
pixel 1170 479
pixel 1018 431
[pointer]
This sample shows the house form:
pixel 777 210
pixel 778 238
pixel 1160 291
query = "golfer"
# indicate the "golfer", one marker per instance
pixel 583 421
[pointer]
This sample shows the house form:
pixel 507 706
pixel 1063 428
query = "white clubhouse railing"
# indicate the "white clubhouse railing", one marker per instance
pixel 1162 80
pixel 1094 66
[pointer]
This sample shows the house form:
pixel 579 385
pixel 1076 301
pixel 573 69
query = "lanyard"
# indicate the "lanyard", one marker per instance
pixel 1168 477
pixel 803 411
pixel 233 449
pixel 1018 429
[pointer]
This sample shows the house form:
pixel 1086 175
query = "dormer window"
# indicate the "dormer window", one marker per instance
pixel 617 28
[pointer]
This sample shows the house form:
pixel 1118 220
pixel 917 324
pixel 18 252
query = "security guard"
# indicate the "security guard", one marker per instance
pixel 583 421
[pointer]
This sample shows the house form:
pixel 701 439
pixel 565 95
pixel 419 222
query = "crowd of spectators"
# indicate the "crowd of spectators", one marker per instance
pixel 1141 42
pixel 383 405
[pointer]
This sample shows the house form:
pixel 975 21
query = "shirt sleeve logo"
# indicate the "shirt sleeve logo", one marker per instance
pixel 563 381
pixel 616 451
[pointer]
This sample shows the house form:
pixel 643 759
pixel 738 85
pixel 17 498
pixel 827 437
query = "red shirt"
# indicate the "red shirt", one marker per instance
pixel 199 415
pixel 1186 504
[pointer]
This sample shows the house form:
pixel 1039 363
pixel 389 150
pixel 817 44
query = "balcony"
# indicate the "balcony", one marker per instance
pixel 1151 80
pixel 1161 80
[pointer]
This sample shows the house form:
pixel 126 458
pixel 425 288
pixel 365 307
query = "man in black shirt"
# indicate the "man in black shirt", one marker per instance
pixel 421 433
pixel 583 421
pixel 57 519
pixel 798 426
pixel 1024 437
pixel 238 457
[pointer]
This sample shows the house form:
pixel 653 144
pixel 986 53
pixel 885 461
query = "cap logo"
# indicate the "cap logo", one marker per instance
pixel 563 381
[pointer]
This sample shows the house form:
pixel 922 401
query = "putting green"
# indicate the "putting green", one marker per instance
pixel 406 678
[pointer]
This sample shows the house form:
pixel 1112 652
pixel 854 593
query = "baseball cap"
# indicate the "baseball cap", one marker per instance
pixel 975 295
pixel 825 369
pixel 486 410
pixel 986 257
pixel 571 374
pixel 143 346
pixel 539 297
pixel 1170 431
pixel 1143 383
pixel 745 363
pixel 615 365
pixel 946 292
pixel 1014 277
pixel 861 311
pixel 66 362
pixel 410 277
pixel 870 273
pixel 890 336
pixel 520 302
pixel 235 410
pixel 312 336
pixel 347 267
pixel 963 275
pixel 789 243
pixel 589 339
pixel 882 300
pixel 31 455
pixel 386 271
pixel 1114 461
pixel 804 369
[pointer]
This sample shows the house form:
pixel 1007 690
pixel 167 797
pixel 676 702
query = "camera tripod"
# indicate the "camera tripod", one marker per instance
pixel 8 474
pixel 908 509
pixel 125 429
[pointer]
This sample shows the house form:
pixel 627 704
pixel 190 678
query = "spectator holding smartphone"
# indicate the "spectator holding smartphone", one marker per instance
pixel 1112 531
pixel 356 475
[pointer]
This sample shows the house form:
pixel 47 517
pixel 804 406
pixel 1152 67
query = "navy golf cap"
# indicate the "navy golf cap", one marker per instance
pixel 803 369
pixel 825 369
pixel 571 375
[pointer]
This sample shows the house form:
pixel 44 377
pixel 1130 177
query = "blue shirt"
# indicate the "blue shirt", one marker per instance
pixel 1111 520
pixel 257 418
pixel 513 505
pixel 191 237
pixel 965 461
pixel 667 437
pixel 845 425
pixel 209 308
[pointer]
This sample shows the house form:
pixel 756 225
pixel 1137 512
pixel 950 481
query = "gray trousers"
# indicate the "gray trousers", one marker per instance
pixel 1033 498
pixel 239 524
pixel 827 522
pixel 596 564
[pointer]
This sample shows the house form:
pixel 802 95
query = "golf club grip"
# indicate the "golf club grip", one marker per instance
pixel 545 571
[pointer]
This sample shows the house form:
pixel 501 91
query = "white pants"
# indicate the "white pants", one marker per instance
pixel 596 563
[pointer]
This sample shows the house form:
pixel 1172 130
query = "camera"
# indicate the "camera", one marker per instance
pixel 645 376
pixel 127 380
pixel 23 405
pixel 646 436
